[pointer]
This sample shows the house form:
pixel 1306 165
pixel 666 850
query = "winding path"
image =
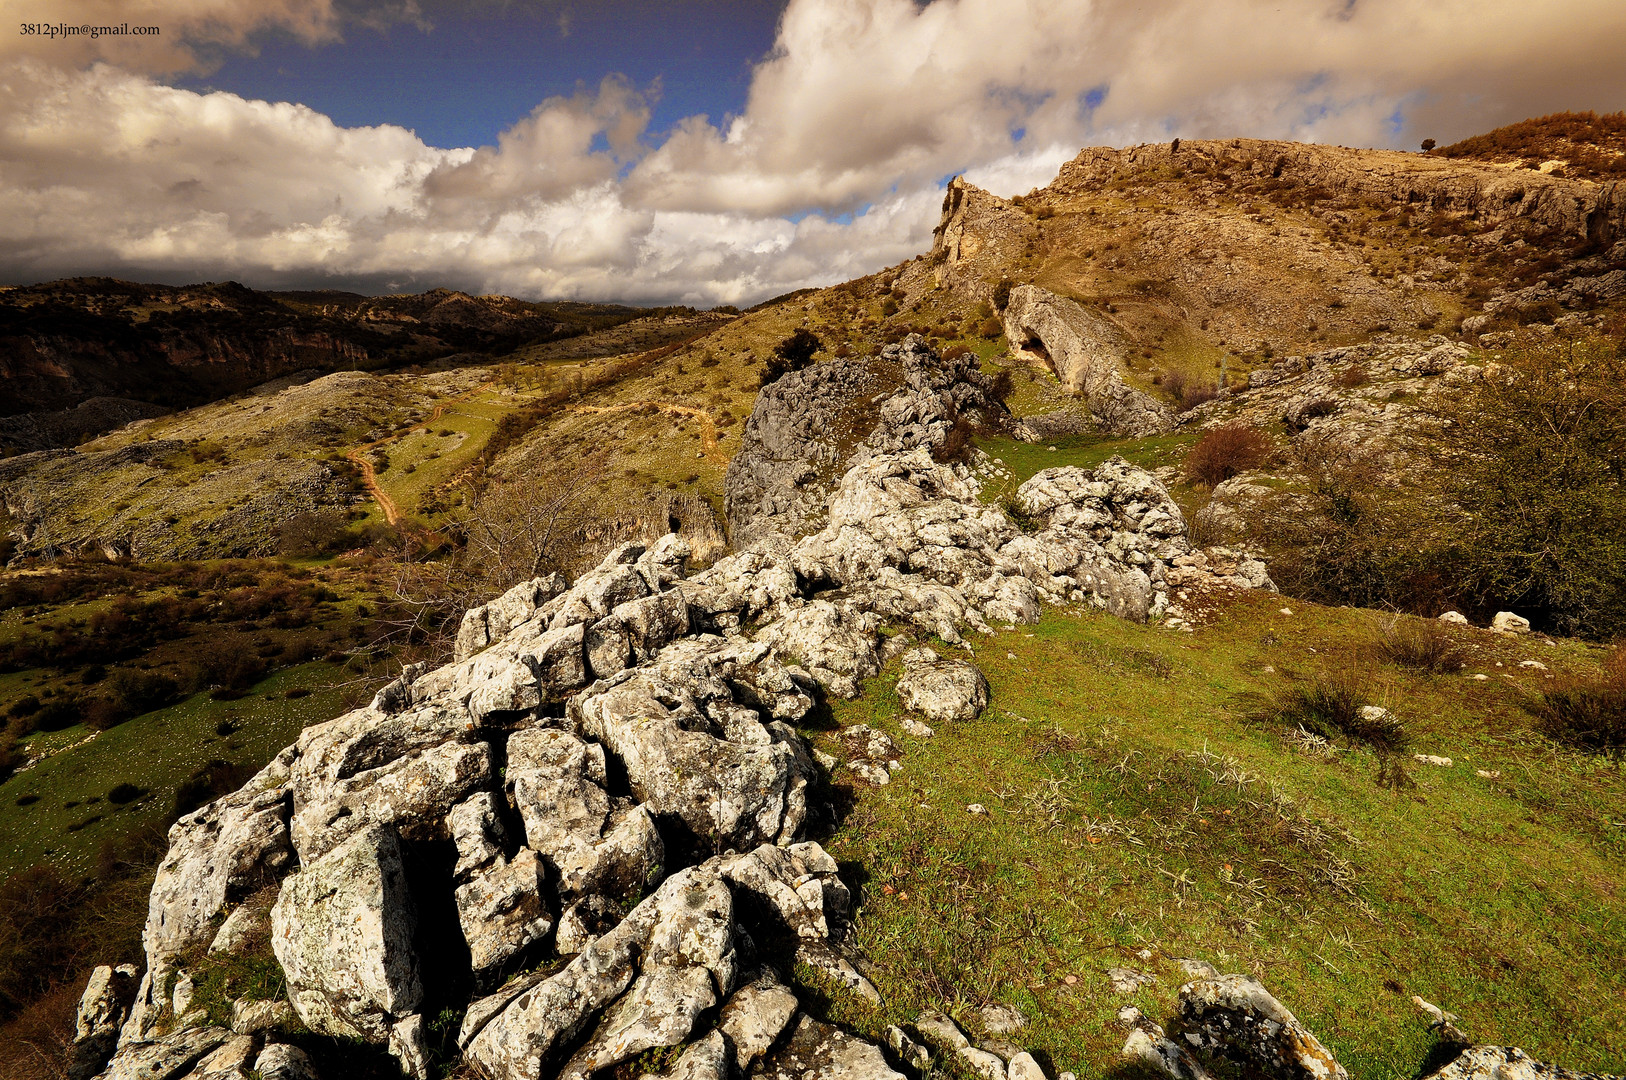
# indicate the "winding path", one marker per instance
pixel 369 475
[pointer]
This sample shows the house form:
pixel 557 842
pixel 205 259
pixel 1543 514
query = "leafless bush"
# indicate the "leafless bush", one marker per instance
pixel 1421 645
pixel 1226 451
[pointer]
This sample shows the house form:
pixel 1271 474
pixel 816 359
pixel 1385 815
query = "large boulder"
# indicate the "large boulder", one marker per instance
pixel 1085 351
pixel 1236 1016
pixel 941 690
pixel 591 844
pixel 342 929
pixel 103 1008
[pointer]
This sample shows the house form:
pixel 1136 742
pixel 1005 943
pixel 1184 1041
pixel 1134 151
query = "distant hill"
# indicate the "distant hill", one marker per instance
pixel 64 342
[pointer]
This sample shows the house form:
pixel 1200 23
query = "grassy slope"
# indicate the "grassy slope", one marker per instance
pixel 157 751
pixel 1130 808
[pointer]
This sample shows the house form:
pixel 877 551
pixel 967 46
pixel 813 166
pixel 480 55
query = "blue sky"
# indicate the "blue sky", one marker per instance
pixel 468 71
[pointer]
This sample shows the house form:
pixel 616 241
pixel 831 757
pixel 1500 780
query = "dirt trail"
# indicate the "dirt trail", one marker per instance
pixel 369 476
pixel 708 427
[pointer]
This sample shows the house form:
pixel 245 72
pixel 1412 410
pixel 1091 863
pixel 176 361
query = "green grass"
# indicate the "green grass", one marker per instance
pixel 156 751
pixel 1132 806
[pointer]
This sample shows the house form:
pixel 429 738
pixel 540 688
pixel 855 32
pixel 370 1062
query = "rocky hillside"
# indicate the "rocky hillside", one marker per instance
pixel 64 342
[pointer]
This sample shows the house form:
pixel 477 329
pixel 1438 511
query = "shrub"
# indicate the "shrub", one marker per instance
pixel 958 443
pixel 1187 392
pixel 58 714
pixel 1226 451
pixel 125 793
pixel 1352 376
pixel 792 354
pixel 1589 714
pixel 1002 294
pixel 208 783
pixel 313 533
pixel 1535 460
pixel 1333 707
pixel 1421 645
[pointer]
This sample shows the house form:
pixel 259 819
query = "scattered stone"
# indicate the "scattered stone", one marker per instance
pixel 754 1017
pixel 1001 1019
pixel 253 1017
pixel 1023 1067
pixel 916 728
pixel 1505 1063
pixel 1432 759
pixel 246 924
pixel 913 1056
pixel 976 808
pixel 818 1051
pixel 1456 618
pixel 280 1061
pixel 1128 981
pixel 1506 622
pixel 1198 969
pixel 1535 665
pixel 1488 774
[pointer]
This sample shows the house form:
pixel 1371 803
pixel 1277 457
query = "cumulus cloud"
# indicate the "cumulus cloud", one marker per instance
pixel 833 168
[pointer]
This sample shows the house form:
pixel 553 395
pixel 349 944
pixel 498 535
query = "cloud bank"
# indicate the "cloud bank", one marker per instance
pixel 833 169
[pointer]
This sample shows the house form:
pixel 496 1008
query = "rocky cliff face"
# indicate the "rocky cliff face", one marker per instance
pixel 586 835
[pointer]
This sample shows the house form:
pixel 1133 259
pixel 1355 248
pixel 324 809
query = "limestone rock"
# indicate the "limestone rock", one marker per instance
pixel 490 622
pixel 818 1051
pixel 165 1058
pixel 502 913
pixel 342 930
pixel 591 845
pixel 1236 1015
pixel 583 922
pixel 1505 1063
pixel 1506 622
pixel 253 1017
pixel 1085 351
pixel 1455 617
pixel 754 1017
pixel 910 1054
pixel 103 1008
pixel 676 757
pixel 280 1061
pixel 246 924
pixel 231 1060
pixel 942 691
pixel 478 831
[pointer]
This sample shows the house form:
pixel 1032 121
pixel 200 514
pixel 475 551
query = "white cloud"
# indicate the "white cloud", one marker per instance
pixel 860 111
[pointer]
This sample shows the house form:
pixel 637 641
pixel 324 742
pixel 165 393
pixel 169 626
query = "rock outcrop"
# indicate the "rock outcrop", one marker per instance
pixel 586 833
pixel 1085 351
pixel 808 427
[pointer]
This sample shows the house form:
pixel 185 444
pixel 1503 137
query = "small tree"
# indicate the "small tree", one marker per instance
pixel 1429 144
pixel 792 354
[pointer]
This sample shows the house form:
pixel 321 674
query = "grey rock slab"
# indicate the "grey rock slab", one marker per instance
pixel 817 1051
pixel 410 1048
pixel 490 622
pixel 592 845
pixel 678 765
pixel 342 930
pixel 478 831
pixel 1238 1015
pixel 166 1058
pixel 910 1054
pixel 941 1031
pixel 231 1060
pixel 279 1061
pixel 1127 980
pixel 659 1010
pixel 754 1017
pixel 501 910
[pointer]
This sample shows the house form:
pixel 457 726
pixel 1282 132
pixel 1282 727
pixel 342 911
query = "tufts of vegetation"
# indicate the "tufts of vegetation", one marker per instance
pixel 1590 145
pixel 1589 714
pixel 1226 452
pixel 1421 645
pixel 1334 707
